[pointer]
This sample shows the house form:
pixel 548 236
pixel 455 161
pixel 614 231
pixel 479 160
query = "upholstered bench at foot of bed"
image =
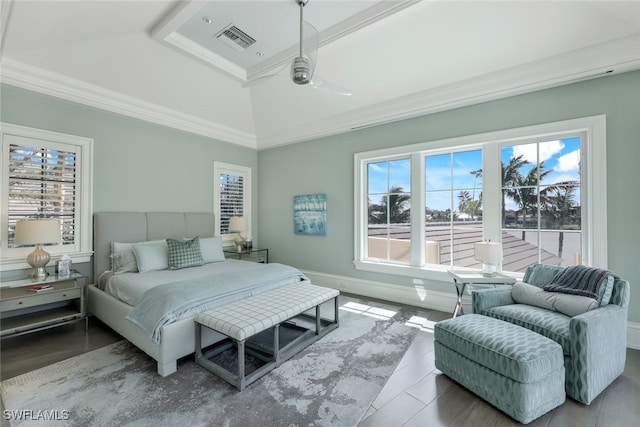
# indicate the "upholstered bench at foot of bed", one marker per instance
pixel 245 323
pixel 518 371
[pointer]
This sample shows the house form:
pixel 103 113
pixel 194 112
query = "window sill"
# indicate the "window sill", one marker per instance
pixel 433 272
pixel 10 264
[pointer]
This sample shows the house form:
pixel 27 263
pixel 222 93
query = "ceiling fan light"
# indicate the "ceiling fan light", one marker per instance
pixel 301 70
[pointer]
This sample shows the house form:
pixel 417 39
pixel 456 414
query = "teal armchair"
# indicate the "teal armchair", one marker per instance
pixel 594 343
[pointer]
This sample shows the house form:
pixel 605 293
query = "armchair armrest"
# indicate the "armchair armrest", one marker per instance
pixel 598 340
pixel 484 299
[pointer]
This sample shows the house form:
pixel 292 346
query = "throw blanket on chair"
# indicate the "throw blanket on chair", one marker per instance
pixel 579 280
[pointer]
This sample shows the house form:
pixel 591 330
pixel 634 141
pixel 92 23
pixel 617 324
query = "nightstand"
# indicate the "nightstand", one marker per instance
pixel 23 311
pixel 253 255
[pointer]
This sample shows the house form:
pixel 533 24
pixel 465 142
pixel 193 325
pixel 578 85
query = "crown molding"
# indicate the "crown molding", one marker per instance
pixel 621 55
pixel 186 45
pixel 35 79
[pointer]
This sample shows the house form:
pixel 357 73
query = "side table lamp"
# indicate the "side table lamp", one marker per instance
pixel 490 253
pixel 38 232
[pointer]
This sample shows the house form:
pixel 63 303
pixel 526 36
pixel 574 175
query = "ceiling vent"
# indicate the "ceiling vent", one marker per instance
pixel 236 38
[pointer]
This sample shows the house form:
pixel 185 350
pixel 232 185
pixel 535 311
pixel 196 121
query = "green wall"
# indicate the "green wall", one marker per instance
pixel 138 166
pixel 326 166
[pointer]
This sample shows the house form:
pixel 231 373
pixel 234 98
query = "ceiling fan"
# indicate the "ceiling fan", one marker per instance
pixel 302 69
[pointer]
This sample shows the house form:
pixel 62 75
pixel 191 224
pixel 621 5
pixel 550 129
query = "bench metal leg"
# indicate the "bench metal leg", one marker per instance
pixel 240 379
pixel 276 344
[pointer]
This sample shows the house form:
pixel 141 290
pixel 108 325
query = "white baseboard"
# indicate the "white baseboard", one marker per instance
pixel 633 335
pixel 419 297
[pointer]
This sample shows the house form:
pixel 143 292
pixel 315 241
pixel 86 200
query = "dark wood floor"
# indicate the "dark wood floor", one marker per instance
pixel 417 394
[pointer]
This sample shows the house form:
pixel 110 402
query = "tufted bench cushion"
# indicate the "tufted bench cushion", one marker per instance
pixel 515 369
pixel 247 317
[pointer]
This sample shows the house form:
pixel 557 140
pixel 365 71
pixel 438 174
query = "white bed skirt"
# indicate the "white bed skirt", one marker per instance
pixel 178 339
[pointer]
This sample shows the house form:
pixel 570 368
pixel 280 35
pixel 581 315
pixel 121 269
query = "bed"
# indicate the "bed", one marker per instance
pixel 175 338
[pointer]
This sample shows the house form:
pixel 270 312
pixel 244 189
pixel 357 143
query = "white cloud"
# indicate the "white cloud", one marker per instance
pixel 569 162
pixel 547 150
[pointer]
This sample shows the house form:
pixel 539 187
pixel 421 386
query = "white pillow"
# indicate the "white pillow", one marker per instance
pixel 152 255
pixel 211 249
pixel 123 259
pixel 570 305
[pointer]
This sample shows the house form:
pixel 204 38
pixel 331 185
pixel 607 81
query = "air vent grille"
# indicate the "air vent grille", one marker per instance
pixel 236 38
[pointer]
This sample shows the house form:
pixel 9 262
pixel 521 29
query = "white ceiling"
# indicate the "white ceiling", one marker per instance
pixel 400 58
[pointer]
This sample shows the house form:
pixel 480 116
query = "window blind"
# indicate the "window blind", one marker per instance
pixel 231 199
pixel 42 184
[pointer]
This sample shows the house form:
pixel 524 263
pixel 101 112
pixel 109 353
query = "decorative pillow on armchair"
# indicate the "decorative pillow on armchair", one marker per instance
pixel 570 305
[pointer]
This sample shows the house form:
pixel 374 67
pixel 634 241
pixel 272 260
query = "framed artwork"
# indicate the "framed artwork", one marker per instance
pixel 310 214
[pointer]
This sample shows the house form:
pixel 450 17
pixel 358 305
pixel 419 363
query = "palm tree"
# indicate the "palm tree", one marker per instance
pixel 562 209
pixel 524 193
pixel 467 204
pixel 396 205
pixel 511 176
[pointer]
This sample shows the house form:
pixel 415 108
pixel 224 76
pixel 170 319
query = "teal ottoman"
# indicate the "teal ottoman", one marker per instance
pixel 517 370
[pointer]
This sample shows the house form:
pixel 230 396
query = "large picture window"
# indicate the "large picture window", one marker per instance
pixel 539 190
pixel 46 175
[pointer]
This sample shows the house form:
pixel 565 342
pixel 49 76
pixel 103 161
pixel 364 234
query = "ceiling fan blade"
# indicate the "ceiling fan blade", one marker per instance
pixel 310 38
pixel 323 85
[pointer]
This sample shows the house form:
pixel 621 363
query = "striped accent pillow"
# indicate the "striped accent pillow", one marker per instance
pixel 184 254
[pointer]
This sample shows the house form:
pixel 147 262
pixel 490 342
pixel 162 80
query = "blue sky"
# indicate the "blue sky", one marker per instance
pixel 562 156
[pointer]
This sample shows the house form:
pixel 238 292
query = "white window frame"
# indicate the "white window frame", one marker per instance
pixel 593 191
pixel 81 250
pixel 220 168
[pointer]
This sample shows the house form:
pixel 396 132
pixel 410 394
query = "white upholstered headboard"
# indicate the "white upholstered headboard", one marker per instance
pixel 129 227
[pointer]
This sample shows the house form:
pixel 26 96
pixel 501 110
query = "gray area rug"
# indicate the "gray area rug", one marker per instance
pixel 330 383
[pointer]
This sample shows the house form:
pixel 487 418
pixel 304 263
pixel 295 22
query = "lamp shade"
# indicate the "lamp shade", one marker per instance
pixel 488 252
pixel 238 223
pixel 39 231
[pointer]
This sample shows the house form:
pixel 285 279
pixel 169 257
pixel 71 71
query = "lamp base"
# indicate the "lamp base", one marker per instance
pixel 239 242
pixel 489 270
pixel 38 273
pixel 38 260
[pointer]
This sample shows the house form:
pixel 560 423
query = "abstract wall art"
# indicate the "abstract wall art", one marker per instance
pixel 310 214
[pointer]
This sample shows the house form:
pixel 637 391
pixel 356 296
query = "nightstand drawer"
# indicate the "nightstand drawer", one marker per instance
pixel 256 258
pixel 39 299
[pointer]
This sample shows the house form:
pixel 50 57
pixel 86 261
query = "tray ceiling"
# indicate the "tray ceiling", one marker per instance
pixel 161 61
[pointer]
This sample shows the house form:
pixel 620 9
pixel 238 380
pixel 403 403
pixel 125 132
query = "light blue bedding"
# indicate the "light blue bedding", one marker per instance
pixel 167 303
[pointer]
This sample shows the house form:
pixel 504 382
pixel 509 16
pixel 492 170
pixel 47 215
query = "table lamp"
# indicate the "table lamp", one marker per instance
pixel 38 232
pixel 490 253
pixel 238 224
